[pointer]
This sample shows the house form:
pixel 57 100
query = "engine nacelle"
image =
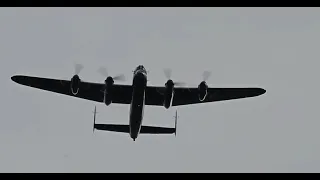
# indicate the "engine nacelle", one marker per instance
pixel 75 84
pixel 202 90
pixel 168 95
pixel 108 91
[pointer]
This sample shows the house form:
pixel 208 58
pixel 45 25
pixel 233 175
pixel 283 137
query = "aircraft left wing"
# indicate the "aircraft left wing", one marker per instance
pixel 88 90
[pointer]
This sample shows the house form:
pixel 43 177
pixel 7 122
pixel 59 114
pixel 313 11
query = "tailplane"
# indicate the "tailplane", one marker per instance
pixel 126 129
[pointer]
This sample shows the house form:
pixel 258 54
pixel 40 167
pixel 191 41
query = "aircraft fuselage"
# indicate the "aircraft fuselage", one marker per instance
pixel 139 85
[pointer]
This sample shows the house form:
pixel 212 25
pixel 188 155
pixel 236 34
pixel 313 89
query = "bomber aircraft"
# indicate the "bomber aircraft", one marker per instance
pixel 137 95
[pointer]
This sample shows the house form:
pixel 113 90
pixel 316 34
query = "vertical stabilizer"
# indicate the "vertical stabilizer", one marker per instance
pixel 175 123
pixel 94 117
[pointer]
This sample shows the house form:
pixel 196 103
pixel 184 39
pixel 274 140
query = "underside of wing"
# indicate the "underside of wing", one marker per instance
pixel 186 96
pixel 154 96
pixel 87 90
pixel 122 94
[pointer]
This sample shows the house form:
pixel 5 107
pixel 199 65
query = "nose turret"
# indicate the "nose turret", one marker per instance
pixel 141 69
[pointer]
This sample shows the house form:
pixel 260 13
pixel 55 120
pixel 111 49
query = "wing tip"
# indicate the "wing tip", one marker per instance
pixel 15 78
pixel 253 92
pixel 18 79
pixel 261 91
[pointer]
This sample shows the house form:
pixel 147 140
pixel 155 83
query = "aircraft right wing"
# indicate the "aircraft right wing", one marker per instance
pixel 189 95
pixel 186 96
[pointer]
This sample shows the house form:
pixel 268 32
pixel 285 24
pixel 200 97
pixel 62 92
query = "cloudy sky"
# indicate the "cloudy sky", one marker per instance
pixel 273 48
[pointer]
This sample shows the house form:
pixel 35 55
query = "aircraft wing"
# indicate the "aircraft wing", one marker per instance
pixel 122 94
pixel 88 90
pixel 186 96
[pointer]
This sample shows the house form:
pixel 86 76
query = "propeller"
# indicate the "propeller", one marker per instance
pixel 206 75
pixel 103 71
pixel 78 68
pixel 168 73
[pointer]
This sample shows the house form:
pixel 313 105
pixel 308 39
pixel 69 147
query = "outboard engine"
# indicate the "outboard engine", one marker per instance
pixel 203 90
pixel 168 94
pixel 75 84
pixel 108 90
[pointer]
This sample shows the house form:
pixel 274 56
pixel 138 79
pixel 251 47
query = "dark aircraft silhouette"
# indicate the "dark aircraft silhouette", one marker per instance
pixel 137 95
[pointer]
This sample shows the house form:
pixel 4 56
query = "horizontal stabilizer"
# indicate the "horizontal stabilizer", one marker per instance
pixel 156 130
pixel 113 127
pixel 125 129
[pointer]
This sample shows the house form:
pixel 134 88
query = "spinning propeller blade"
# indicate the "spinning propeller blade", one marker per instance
pixel 179 83
pixel 206 75
pixel 119 78
pixel 78 68
pixel 103 71
pixel 168 72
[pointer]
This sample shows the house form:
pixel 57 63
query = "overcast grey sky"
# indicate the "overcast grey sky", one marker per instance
pixel 273 48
